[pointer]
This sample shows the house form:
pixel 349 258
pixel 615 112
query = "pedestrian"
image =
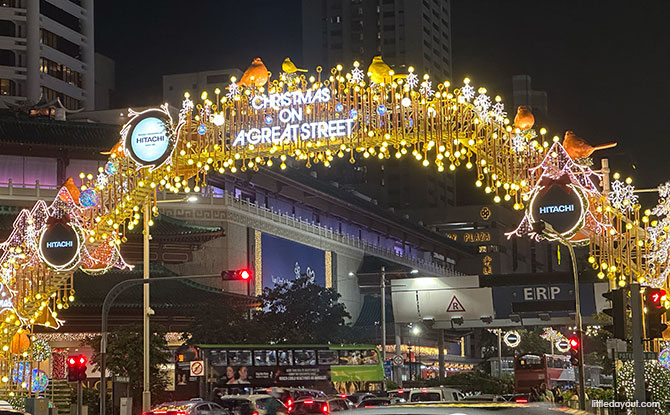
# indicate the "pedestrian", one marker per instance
pixel 534 394
pixel 274 406
pixel 558 395
pixel 545 394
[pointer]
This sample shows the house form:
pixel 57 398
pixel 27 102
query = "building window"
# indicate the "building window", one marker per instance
pixel 7 57
pixel 59 43
pixel 7 87
pixel 59 15
pixel 7 28
pixel 10 3
pixel 67 101
pixel 61 72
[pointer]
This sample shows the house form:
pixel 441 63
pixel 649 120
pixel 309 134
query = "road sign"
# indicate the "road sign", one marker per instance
pixel 397 360
pixel 197 368
pixel 629 356
pixel 455 306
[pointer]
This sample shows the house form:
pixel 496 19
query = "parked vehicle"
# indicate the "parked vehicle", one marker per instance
pixel 195 406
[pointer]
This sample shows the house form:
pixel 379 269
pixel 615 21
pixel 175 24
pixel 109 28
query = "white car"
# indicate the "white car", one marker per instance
pixel 434 395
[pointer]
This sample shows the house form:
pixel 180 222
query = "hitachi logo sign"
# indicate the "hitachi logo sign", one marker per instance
pixel 557 209
pixel 59 244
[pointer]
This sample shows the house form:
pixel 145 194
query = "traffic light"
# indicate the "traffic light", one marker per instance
pixel 239 274
pixel 617 311
pixel 654 298
pixel 574 350
pixel 76 368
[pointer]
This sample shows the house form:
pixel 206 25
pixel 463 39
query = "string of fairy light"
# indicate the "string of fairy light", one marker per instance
pixel 315 120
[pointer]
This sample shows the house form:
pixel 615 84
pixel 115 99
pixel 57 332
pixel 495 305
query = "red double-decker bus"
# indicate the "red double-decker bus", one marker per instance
pixel 531 370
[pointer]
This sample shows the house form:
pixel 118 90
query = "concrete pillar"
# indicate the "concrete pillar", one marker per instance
pixel 88 54
pixel 33 48
pixel 397 372
pixel 440 353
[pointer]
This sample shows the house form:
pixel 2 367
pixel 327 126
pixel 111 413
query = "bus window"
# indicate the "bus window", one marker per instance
pixel 328 357
pixel 529 361
pixel 265 357
pixel 239 357
pixel 304 357
pixel 285 357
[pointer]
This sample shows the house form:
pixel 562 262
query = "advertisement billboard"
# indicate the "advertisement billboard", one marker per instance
pixel 283 260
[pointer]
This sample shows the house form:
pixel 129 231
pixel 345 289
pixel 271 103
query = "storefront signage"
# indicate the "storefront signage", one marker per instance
pixel 59 246
pixel 290 110
pixel 561 206
pixel 149 138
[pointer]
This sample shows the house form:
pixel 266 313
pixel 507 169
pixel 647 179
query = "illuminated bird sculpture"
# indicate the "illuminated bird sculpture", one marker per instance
pixel 255 75
pixel 289 67
pixel 524 119
pixel 578 148
pixel 379 72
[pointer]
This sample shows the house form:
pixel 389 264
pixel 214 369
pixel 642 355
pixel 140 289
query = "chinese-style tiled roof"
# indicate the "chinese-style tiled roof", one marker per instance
pixel 90 291
pixel 24 130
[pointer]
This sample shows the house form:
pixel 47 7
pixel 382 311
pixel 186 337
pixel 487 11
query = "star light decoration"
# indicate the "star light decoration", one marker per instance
pixel 658 238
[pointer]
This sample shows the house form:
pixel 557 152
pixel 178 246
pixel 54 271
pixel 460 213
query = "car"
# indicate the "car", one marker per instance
pixel 438 394
pixel 357 397
pixel 194 406
pixel 399 393
pixel 484 398
pixel 472 408
pixel 370 402
pixel 249 404
pixel 289 395
pixel 323 406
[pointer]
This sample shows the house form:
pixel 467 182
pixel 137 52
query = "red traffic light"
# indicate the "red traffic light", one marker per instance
pixel 71 361
pixel 656 296
pixel 574 343
pixel 244 274
pixel 82 360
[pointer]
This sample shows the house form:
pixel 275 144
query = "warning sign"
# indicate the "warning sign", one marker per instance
pixel 455 306
pixel 197 368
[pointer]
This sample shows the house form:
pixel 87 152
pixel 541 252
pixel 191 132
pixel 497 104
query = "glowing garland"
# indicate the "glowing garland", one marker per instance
pixel 657 382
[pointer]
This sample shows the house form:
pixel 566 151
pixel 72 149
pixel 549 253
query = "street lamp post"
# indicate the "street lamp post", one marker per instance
pixel 545 228
pixel 146 233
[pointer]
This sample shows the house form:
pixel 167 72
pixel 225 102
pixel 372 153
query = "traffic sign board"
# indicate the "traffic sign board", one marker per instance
pixel 455 306
pixel 397 360
pixel 629 356
pixel 197 368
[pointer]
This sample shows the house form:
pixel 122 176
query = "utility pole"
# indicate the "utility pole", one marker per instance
pixel 383 293
pixel 146 389
pixel 638 352
pixel 500 353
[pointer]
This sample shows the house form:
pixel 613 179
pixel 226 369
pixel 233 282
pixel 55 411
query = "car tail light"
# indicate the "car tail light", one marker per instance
pixel 147 413
pixel 308 402
pixel 343 396
pixel 521 400
pixel 424 390
pixel 324 408
pixel 172 413
pixel 254 413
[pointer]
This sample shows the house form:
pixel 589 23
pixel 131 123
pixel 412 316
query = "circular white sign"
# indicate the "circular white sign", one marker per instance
pixel 149 140
pixel 512 338
pixel 563 346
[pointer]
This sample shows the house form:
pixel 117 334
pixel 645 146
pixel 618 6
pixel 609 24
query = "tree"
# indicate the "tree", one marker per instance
pixel 300 311
pixel 214 324
pixel 125 357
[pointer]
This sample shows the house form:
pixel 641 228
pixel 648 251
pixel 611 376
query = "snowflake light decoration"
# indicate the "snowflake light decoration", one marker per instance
pixel 412 80
pixel 357 75
pixel 518 143
pixel 498 111
pixel 186 107
pixel 233 90
pixel 467 92
pixel 482 105
pixel 622 196
pixel 427 88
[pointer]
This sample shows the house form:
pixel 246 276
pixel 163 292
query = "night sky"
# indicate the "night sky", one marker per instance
pixel 604 64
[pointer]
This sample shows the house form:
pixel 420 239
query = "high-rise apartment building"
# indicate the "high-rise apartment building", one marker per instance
pixel 403 32
pixel 47 51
